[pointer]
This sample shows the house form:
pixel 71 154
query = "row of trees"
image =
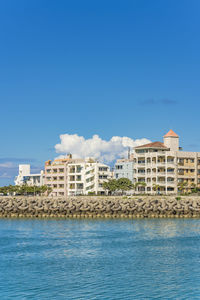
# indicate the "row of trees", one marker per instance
pixel 183 186
pixel 124 184
pixel 112 186
pixel 24 190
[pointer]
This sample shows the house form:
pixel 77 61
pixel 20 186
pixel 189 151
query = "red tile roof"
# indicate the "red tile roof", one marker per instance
pixel 171 133
pixel 157 145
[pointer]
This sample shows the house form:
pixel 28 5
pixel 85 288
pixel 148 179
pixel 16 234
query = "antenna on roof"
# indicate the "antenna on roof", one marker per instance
pixel 129 150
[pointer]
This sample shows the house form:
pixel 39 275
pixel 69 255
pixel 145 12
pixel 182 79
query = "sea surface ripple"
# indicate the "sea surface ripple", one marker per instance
pixel 100 259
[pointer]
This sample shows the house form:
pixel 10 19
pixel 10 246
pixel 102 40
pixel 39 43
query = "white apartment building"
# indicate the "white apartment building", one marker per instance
pixel 70 176
pixel 163 167
pixel 25 177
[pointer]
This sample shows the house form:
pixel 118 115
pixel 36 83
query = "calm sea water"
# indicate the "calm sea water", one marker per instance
pixel 100 259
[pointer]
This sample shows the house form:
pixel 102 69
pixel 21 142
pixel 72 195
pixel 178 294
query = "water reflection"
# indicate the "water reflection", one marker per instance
pixel 100 259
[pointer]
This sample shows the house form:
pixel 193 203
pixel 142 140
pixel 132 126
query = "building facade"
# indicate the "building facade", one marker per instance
pixel 124 168
pixel 165 168
pixel 70 176
pixel 25 176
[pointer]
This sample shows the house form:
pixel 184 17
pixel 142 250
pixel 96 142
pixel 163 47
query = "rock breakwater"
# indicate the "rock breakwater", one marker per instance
pixel 100 207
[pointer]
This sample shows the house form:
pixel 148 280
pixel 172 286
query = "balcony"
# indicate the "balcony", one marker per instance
pixel 141 164
pixel 181 173
pixel 161 162
pixel 161 182
pixel 48 171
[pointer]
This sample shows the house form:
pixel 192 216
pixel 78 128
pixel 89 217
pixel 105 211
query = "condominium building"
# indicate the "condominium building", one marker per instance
pixel 25 176
pixel 165 168
pixel 124 169
pixel 69 176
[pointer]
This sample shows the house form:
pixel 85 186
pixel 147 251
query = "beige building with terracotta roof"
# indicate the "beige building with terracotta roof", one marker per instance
pixel 165 168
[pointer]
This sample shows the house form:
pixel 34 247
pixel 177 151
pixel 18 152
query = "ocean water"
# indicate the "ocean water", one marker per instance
pixel 100 259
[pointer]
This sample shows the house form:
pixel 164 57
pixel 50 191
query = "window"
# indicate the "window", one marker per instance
pixel 80 186
pixel 103 176
pixel 170 189
pixel 119 167
pixel 141 161
pixel 170 179
pixel 103 169
pixel 78 169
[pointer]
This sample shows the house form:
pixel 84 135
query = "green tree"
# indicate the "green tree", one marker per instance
pixel 111 185
pixel 194 188
pixel 182 186
pixel 25 190
pixel 156 187
pixel 124 184
pixel 139 184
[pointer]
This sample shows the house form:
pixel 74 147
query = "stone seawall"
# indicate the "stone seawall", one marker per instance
pixel 100 207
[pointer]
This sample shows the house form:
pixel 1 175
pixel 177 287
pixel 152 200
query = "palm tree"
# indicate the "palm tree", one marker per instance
pixel 140 184
pixel 182 186
pixel 156 187
pixel 194 188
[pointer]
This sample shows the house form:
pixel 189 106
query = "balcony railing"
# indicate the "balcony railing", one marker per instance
pixel 180 173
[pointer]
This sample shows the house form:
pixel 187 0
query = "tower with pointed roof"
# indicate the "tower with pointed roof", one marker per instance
pixel 171 140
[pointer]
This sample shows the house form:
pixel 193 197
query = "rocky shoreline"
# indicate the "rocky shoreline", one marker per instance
pixel 100 207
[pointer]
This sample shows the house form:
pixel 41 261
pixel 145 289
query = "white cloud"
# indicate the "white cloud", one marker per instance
pixel 7 164
pixel 5 175
pixel 96 147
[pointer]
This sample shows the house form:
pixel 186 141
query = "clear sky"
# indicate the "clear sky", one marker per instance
pixel 112 68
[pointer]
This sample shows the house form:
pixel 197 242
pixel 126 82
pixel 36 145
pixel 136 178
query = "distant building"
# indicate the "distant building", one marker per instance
pixel 164 166
pixel 25 177
pixel 69 176
pixel 124 169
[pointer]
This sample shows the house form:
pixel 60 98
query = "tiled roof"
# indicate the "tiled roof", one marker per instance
pixel 157 145
pixel 171 133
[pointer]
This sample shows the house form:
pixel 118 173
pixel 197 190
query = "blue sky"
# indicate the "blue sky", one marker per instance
pixel 112 68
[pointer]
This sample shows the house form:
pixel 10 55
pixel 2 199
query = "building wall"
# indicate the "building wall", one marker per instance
pixel 124 169
pixel 172 143
pixel 25 177
pixel 168 169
